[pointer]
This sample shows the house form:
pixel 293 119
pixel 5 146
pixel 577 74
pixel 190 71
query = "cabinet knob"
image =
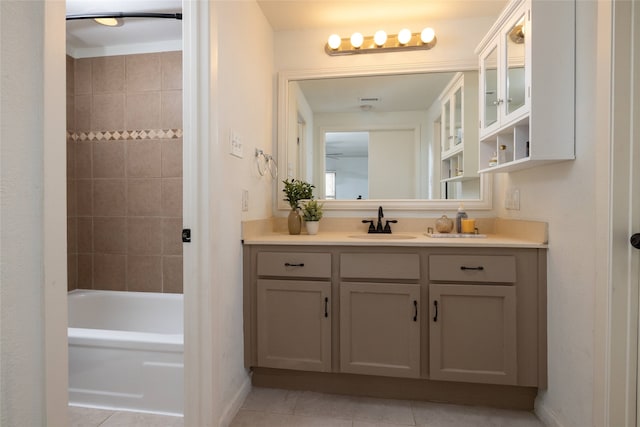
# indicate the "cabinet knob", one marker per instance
pixel 635 240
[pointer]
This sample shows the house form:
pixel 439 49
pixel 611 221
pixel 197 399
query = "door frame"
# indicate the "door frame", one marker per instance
pixel 615 398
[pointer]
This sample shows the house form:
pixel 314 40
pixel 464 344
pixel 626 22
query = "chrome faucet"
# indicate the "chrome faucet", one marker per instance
pixel 378 228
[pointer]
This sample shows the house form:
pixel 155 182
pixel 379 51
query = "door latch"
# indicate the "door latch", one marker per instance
pixel 186 235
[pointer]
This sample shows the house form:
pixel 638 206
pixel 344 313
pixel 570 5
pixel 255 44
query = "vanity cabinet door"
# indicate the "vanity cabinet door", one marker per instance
pixel 294 324
pixel 380 329
pixel 472 333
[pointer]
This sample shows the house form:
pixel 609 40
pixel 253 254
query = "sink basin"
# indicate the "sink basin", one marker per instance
pixel 382 236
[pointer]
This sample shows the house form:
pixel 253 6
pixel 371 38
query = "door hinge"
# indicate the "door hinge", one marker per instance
pixel 186 235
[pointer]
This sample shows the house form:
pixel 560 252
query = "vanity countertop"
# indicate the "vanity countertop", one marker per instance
pixel 500 234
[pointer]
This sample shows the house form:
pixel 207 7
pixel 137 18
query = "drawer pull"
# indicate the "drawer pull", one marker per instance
pixel 415 314
pixel 480 268
pixel 435 305
pixel 288 264
pixel 326 307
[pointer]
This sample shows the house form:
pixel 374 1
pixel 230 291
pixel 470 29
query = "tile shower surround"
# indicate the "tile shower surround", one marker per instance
pixel 124 172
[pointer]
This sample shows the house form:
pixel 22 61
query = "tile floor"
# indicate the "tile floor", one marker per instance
pixel 265 407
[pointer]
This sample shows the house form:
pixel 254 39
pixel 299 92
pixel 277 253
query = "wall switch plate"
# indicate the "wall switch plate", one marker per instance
pixel 245 200
pixel 512 199
pixel 236 144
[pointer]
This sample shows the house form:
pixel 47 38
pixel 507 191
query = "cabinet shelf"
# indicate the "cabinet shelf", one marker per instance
pixel 527 91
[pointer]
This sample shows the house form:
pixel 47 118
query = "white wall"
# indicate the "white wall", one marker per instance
pixel 352 175
pixel 243 102
pixel 564 195
pixel 393 158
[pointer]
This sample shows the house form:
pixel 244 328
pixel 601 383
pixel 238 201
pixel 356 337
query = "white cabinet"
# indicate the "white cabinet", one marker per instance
pixel 527 94
pixel 459 135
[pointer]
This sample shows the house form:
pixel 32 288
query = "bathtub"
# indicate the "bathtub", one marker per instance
pixel 126 351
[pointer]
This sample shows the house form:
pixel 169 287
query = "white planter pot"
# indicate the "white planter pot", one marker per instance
pixel 312 227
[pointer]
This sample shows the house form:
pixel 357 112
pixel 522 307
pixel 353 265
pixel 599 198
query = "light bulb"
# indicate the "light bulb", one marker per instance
pixel 427 35
pixel 109 22
pixel 404 36
pixel 334 41
pixel 380 38
pixel 356 40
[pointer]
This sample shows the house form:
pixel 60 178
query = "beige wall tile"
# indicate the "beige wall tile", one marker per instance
pixel 72 198
pixel 71 159
pixel 172 274
pixel 172 236
pixel 172 158
pixel 84 200
pixel 144 236
pixel 85 235
pixel 85 271
pixel 107 112
pixel 83 159
pixel 144 197
pixel 171 70
pixel 171 110
pixel 82 81
pixel 143 110
pixel 71 112
pixel 143 72
pixel 109 235
pixel 82 119
pixel 109 197
pixel 108 159
pixel 144 273
pixel 107 74
pixel 70 72
pixel 144 159
pixel 72 235
pixel 72 272
pixel 109 272
pixel 172 197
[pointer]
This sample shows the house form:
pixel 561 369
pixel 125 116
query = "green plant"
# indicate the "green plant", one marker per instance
pixel 297 190
pixel 312 210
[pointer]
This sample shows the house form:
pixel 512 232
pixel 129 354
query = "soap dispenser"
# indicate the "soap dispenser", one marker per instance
pixel 459 216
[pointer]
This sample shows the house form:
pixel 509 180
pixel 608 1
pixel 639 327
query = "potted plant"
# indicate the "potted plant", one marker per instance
pixel 312 213
pixel 296 190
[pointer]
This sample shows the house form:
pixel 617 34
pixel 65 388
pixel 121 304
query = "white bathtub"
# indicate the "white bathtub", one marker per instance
pixel 126 351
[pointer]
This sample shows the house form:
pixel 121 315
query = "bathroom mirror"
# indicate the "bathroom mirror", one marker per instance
pixel 370 137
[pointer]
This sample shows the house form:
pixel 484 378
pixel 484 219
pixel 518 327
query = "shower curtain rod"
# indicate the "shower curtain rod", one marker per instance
pixel 177 16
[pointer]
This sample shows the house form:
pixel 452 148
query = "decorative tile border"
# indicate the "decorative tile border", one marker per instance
pixel 122 135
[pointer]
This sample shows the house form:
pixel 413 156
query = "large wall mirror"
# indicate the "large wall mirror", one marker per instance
pixel 373 137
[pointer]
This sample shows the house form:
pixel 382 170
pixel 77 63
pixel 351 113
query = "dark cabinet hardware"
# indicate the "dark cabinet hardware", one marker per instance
pixel 186 235
pixel 387 227
pixel 415 313
pixel 288 264
pixel 378 227
pixel 635 240
pixel 326 307
pixel 480 268
pixel 435 305
pixel 372 229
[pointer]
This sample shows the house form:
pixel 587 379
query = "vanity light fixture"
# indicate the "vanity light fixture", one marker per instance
pixel 405 40
pixel 108 22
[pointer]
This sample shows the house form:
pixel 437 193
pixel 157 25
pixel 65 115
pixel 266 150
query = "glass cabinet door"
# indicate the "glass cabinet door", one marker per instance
pixel 457 117
pixel 515 80
pixel 490 89
pixel 446 126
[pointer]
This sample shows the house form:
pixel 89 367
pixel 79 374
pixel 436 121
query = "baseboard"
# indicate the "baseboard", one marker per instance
pixel 230 411
pixel 547 416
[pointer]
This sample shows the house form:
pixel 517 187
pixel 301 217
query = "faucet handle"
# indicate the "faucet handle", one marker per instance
pixel 387 227
pixel 372 229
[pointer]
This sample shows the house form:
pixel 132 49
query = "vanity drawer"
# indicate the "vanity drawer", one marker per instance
pixel 380 266
pixel 293 264
pixel 472 268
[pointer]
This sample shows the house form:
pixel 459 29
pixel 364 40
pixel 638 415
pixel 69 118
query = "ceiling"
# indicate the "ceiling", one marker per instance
pixel 282 15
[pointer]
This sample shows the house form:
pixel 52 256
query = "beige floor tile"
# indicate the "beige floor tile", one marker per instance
pixel 359 423
pixel 443 415
pixel 135 419
pixel 246 418
pixel 87 417
pixel 326 405
pixel 384 411
pixel 271 400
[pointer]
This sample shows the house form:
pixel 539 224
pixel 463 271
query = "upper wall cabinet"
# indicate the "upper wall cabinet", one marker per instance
pixel 527 91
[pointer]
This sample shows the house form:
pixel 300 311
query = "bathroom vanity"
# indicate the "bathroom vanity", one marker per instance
pixel 404 315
